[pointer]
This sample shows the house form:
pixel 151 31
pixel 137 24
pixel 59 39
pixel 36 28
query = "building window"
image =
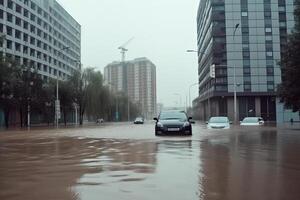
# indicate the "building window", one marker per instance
pixel 270 87
pixel 246 70
pixel 25 25
pixel 247 87
pixel 18 34
pixel 32 17
pixel 245 47
pixel 268 30
pixel 282 24
pixel 18 47
pixel 18 9
pixel 247 79
pixel 18 21
pixel 246 54
pixel 1 14
pixel 33 6
pixel 269 54
pixel 10 4
pixel 244 14
pixel 270 62
pixel 9 44
pixel 246 62
pixel 9 31
pixel 270 78
pixel 269 38
pixel 281 8
pixel 245 30
pixel 9 17
pixel 26 13
pixel 268 15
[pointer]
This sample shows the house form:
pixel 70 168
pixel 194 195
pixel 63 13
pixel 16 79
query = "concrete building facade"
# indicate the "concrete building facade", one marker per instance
pixel 253 49
pixel 137 79
pixel 42 35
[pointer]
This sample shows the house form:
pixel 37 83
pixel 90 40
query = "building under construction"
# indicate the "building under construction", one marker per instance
pixel 137 79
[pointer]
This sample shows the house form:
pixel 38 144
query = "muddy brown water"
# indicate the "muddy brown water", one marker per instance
pixel 123 161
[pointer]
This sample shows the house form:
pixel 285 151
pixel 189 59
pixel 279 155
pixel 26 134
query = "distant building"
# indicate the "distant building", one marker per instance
pixel 253 49
pixel 137 79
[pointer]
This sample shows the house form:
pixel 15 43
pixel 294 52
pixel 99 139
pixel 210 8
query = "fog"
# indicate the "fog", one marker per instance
pixel 162 31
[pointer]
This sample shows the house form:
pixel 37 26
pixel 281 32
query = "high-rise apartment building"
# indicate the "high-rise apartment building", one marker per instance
pixel 248 37
pixel 40 34
pixel 137 79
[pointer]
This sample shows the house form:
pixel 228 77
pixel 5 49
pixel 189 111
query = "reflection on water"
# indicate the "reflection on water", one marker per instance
pixel 256 164
pixel 145 171
pixel 81 168
pixel 249 163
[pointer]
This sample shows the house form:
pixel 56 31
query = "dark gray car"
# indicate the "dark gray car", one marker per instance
pixel 173 122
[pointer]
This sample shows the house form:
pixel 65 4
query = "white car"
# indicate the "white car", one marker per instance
pixel 218 123
pixel 252 121
pixel 139 120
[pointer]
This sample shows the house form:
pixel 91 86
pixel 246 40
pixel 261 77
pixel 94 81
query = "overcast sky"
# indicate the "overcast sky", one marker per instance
pixel 162 29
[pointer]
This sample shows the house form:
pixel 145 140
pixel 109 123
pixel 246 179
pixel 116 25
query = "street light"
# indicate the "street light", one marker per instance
pixel 57 103
pixel 191 51
pixel 234 78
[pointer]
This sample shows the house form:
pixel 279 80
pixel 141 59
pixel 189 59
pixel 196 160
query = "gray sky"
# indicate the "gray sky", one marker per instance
pixel 162 29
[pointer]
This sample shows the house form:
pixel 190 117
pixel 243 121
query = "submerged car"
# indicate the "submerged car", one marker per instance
pixel 252 121
pixel 139 120
pixel 173 122
pixel 218 123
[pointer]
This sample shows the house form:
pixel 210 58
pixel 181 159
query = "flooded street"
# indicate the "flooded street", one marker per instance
pixel 122 161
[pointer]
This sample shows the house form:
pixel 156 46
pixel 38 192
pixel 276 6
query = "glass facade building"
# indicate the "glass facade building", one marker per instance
pixel 42 35
pixel 253 50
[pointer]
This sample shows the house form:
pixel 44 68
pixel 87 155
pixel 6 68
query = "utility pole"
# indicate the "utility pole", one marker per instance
pixel 57 102
pixel 123 52
pixel 234 79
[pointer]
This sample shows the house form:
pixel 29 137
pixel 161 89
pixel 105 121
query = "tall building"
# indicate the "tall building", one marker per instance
pixel 40 34
pixel 248 36
pixel 137 79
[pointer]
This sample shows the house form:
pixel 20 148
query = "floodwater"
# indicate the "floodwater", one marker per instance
pixel 122 161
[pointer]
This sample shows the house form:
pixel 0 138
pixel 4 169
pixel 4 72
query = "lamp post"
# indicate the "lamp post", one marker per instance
pixel 203 53
pixel 234 79
pixel 75 104
pixel 57 103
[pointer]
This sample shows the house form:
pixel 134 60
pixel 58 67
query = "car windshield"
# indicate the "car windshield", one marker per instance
pixel 250 120
pixel 218 120
pixel 138 118
pixel 173 115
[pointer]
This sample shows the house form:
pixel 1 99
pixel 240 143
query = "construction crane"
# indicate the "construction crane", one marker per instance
pixel 123 49
pixel 123 52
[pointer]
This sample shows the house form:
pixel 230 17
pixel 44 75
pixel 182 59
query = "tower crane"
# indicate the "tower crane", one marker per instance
pixel 123 49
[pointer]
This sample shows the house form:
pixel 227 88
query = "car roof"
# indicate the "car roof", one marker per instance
pixel 219 117
pixel 253 118
pixel 166 111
